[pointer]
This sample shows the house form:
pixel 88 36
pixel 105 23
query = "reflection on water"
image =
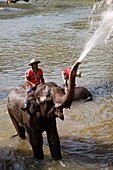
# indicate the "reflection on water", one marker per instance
pixel 57 35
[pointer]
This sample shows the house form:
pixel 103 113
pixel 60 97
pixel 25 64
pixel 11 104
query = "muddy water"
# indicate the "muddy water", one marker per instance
pixel 57 34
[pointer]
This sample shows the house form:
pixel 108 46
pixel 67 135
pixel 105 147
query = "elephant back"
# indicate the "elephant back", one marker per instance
pixel 16 97
pixel 81 93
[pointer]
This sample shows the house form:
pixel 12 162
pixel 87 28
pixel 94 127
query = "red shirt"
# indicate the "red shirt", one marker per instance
pixel 66 73
pixel 34 77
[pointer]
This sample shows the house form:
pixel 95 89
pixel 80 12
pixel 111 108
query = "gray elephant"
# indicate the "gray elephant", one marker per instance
pixel 15 1
pixel 47 104
pixel 80 93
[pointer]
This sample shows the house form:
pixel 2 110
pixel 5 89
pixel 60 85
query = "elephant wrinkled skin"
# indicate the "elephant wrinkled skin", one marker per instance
pixel 15 1
pixel 47 104
pixel 34 124
pixel 81 93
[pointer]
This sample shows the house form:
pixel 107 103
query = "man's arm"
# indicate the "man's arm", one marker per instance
pixel 29 82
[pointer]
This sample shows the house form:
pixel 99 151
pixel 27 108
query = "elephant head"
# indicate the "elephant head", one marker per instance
pixel 62 99
pixel 53 99
pixel 50 99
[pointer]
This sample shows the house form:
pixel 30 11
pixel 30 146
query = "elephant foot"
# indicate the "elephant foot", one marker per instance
pixel 39 157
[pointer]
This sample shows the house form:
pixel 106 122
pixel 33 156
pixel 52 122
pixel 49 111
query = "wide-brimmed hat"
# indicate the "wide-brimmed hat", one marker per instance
pixel 34 60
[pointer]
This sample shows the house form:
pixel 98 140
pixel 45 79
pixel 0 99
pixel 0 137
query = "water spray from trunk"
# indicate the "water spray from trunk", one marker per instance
pixel 99 36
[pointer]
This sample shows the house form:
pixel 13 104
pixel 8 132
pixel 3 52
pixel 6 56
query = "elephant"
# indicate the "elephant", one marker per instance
pixel 45 105
pixel 14 1
pixel 80 93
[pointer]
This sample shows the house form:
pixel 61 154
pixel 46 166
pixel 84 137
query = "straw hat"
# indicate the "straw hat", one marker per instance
pixel 33 61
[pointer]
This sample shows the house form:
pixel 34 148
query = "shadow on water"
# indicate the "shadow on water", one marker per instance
pixel 3 95
pixel 75 151
pixel 7 158
pixel 10 159
pixel 87 151
pixel 104 89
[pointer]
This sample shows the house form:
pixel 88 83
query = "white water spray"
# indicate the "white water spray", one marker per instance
pixel 106 25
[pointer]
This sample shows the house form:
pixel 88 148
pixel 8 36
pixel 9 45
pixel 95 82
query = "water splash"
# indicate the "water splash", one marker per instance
pixel 105 27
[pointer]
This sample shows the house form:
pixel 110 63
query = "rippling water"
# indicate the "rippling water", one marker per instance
pixel 57 35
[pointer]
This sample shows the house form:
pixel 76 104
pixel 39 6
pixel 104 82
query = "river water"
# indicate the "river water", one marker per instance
pixel 57 34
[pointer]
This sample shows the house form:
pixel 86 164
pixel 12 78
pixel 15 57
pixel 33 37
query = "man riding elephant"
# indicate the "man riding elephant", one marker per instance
pixel 33 77
pixel 65 76
pixel 81 93
pixel 48 103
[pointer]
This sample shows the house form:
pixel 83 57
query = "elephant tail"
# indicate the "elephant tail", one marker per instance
pixel 13 136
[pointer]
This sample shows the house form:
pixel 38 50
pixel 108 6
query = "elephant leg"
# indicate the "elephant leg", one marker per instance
pixel 36 141
pixel 53 139
pixel 20 130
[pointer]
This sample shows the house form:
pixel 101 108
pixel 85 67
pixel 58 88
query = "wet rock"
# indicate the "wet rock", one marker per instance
pixel 7 159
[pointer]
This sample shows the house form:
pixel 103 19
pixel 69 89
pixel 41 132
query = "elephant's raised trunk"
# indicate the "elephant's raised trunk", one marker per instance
pixel 71 86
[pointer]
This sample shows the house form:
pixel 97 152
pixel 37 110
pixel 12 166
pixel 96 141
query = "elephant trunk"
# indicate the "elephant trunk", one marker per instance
pixel 68 98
